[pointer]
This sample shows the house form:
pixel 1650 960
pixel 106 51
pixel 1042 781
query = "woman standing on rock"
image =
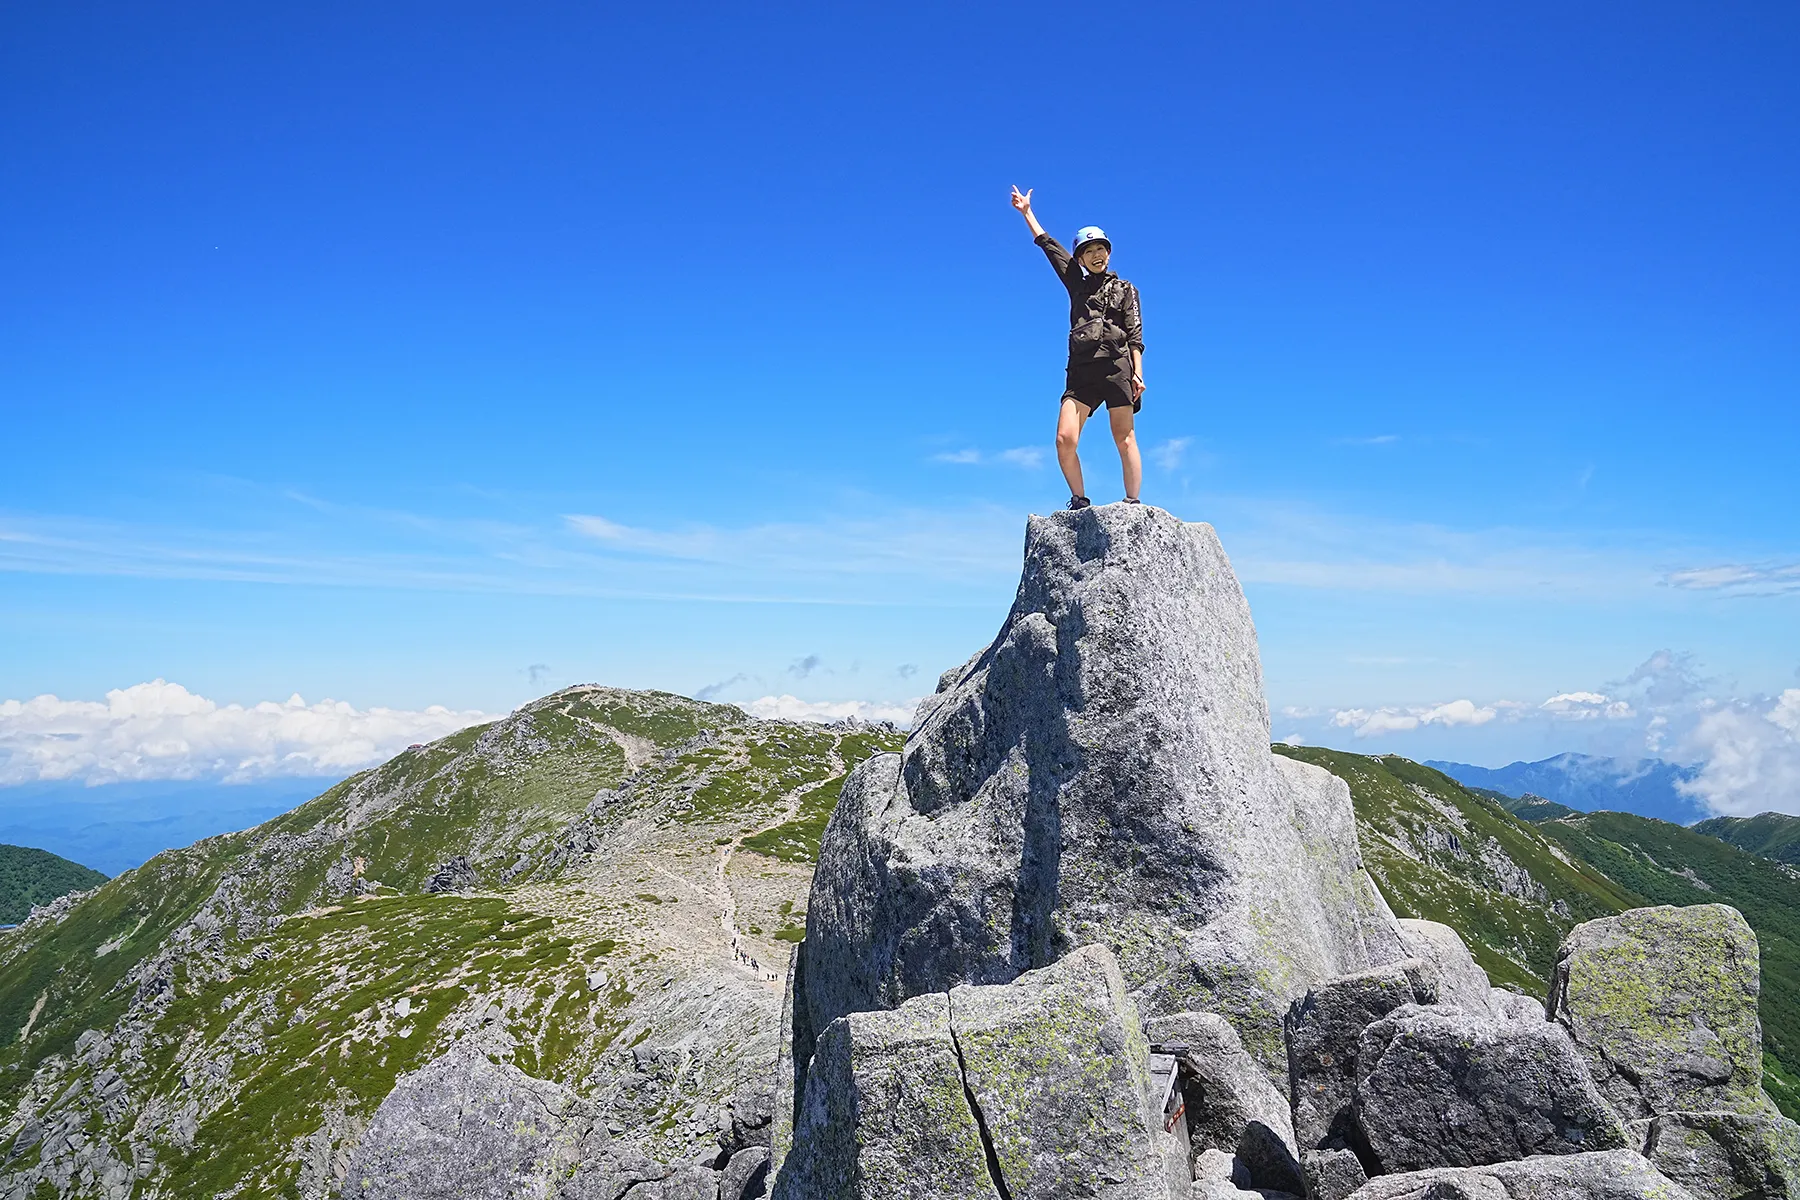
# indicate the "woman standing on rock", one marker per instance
pixel 1106 351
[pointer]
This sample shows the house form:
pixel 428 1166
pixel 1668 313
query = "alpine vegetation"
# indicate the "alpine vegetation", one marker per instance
pixel 1082 934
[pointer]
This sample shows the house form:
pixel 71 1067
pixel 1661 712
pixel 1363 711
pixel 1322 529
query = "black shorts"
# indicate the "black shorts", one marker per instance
pixel 1108 383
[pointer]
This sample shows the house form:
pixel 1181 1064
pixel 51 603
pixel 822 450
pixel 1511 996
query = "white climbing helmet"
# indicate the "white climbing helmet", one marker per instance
pixel 1091 233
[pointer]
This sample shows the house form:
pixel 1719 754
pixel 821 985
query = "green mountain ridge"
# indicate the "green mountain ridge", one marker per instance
pixel 609 883
pixel 30 877
pixel 225 1019
pixel 1770 835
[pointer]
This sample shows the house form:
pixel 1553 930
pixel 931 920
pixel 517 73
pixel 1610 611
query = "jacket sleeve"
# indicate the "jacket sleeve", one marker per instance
pixel 1133 319
pixel 1061 261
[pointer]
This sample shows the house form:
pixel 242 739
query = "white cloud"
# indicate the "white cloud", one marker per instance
pixel 969 457
pixel 1030 457
pixel 791 708
pixel 1364 722
pixel 1458 712
pixel 1750 759
pixel 160 730
pixel 1170 454
pixel 1587 706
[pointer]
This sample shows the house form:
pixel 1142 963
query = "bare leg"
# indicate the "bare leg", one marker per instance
pixel 1124 431
pixel 1068 436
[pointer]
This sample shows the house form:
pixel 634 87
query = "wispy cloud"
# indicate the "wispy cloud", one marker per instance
pixel 790 708
pixel 712 690
pixel 1380 439
pixel 1169 455
pixel 1029 458
pixel 1739 578
pixel 160 730
pixel 800 668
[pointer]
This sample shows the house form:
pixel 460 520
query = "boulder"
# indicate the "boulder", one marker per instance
pixel 1324 1029
pixel 1100 773
pixel 885 1115
pixel 1055 1063
pixel 1662 1004
pixel 1332 1174
pixel 1460 981
pixel 1231 1106
pixel 1514 1007
pixel 1443 1087
pixel 463 1125
pixel 746 1174
pixel 1608 1175
pixel 1727 1155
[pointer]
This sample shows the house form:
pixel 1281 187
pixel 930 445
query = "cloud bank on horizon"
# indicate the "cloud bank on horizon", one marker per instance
pixel 160 730
pixel 1747 749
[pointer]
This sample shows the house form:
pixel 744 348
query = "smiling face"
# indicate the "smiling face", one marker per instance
pixel 1094 256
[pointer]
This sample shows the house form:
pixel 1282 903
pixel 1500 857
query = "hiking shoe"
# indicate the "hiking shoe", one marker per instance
pixel 1077 503
pixel 1132 500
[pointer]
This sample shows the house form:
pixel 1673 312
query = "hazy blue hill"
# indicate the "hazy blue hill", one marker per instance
pixel 1587 783
pixel 29 877
pixel 1770 835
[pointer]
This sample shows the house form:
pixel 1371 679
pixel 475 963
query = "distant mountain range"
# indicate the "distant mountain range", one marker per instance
pixel 1648 787
pixel 29 877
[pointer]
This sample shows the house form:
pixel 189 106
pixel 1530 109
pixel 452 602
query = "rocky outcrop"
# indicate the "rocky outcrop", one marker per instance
pixel 1728 1156
pixel 1610 1175
pixel 1324 1031
pixel 1662 1003
pixel 1100 773
pixel 885 1113
pixel 1460 981
pixel 1441 1086
pixel 1033 1091
pixel 1230 1106
pixel 466 1126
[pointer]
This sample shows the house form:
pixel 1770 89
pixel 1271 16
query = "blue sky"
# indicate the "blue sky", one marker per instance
pixel 418 355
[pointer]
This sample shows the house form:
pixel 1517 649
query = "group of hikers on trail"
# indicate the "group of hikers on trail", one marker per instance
pixel 1106 351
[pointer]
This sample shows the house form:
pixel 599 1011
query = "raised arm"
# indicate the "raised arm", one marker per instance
pixel 1061 261
pixel 1022 202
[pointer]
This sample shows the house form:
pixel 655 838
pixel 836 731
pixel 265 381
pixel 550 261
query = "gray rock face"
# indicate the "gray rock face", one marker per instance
pixel 1609 1175
pixel 1032 1090
pixel 1460 981
pixel 1100 773
pixel 885 1113
pixel 464 1126
pixel 1728 1156
pixel 1662 1003
pixel 1056 1064
pixel 1439 1086
pixel 1231 1106
pixel 1332 1174
pixel 1324 1031
pixel 746 1174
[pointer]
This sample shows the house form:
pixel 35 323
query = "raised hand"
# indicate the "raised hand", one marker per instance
pixel 1021 200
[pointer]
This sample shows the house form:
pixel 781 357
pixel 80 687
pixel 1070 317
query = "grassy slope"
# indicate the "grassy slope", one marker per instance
pixel 291 1016
pixel 29 877
pixel 1670 864
pixel 1441 851
pixel 1769 835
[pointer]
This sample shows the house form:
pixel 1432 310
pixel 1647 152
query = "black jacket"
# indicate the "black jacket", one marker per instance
pixel 1104 320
